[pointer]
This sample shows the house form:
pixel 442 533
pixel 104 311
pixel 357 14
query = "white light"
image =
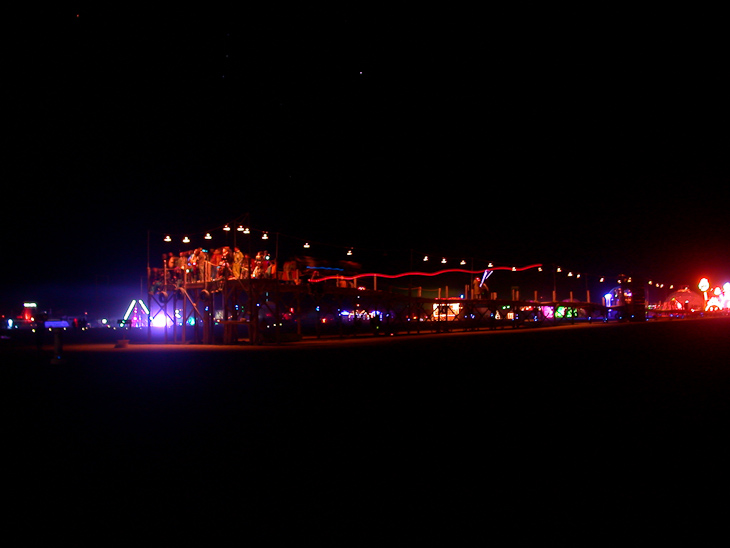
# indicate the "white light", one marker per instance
pixel 227 228
pixel 349 252
pixel 265 236
pixel 161 321
pixel 167 238
pixel 186 240
pixel 129 310
pixel 425 258
pixel 208 236
pixel 306 245
pixel 443 261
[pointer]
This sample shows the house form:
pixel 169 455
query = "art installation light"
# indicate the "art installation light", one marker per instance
pixel 717 298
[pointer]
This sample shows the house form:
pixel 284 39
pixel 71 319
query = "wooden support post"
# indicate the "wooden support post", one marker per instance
pixel 149 317
pixel 184 317
pixel 174 317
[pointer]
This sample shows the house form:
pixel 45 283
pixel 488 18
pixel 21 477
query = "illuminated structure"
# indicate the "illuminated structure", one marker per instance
pixel 279 305
pixel 628 299
pixel 29 311
pixel 715 298
pixel 202 291
pixel 137 314
pixel 684 300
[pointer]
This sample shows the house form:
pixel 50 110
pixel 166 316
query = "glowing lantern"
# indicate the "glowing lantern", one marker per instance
pixel 704 284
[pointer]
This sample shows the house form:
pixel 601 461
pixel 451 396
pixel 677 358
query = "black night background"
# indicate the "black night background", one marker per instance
pixel 594 139
pixel 595 143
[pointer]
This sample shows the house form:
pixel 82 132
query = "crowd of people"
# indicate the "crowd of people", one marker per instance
pixel 224 263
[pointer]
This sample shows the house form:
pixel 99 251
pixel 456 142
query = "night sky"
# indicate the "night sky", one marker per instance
pixel 593 140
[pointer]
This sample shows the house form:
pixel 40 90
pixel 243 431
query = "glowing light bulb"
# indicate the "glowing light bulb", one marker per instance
pixel 704 284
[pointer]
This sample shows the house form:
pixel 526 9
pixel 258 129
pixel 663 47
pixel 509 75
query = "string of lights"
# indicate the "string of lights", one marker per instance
pixel 242 226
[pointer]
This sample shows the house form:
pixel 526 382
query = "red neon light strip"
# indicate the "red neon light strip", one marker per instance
pixel 391 276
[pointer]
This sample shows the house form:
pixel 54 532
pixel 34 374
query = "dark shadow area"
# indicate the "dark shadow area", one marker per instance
pixel 572 435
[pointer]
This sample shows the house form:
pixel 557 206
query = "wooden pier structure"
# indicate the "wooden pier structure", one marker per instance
pixel 276 310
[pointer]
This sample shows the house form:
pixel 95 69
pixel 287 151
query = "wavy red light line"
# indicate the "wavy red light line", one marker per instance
pixel 451 270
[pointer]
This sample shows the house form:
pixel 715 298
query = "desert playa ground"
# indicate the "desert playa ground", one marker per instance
pixel 569 435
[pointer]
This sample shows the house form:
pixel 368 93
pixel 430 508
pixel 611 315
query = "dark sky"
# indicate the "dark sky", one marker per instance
pixel 593 140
